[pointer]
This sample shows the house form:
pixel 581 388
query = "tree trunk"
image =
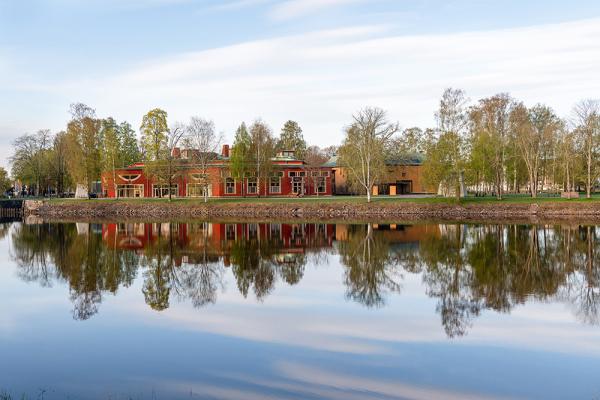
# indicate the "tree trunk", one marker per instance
pixel 589 174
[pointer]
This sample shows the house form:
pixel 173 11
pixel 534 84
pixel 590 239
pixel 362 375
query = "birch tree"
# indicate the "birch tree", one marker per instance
pixel 364 148
pixel 262 150
pixel 452 122
pixel 587 120
pixel 240 155
pixel 205 142
pixel 490 119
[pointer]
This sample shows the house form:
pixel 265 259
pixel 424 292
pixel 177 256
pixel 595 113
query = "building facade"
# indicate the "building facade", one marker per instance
pixel 289 177
pixel 403 176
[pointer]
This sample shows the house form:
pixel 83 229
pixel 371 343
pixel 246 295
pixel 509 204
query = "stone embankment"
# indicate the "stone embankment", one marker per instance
pixel 305 210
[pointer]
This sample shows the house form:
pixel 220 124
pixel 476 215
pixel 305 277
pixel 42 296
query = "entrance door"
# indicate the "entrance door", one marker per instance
pixel 403 187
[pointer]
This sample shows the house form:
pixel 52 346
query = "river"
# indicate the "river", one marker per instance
pixel 296 310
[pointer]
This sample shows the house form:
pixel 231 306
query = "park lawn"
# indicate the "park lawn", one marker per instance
pixel 510 199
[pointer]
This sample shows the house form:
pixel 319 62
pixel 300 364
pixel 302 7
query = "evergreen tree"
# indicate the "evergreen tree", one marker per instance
pixel 291 138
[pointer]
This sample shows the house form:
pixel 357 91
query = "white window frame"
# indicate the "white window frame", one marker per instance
pixel 233 185
pixel 321 180
pixel 278 185
pixel 201 186
pixel 163 188
pixel 255 182
pixel 130 187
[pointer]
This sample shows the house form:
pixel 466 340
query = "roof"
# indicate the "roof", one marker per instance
pixel 409 159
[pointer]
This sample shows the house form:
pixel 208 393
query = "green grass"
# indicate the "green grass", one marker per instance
pixel 508 199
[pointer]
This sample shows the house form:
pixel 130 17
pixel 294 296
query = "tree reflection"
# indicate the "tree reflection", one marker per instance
pixel 370 270
pixel 466 268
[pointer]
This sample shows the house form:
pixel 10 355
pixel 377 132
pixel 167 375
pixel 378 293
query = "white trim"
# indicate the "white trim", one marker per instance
pixel 234 185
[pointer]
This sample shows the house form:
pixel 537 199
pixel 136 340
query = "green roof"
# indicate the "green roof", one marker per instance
pixel 409 159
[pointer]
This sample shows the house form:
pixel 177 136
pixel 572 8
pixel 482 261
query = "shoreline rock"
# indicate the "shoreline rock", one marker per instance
pixel 334 211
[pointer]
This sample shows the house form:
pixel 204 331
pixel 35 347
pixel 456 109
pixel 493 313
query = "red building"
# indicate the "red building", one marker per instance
pixel 289 177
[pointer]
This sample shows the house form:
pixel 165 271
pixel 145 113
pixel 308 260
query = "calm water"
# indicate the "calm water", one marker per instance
pixel 299 311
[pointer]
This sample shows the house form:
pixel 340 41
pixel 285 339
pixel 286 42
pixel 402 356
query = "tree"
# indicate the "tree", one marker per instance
pixel 534 130
pixel 314 159
pixel 29 161
pixel 202 138
pixel 166 168
pixel 130 151
pixel 364 148
pixel 240 155
pixel 111 148
pixel 59 162
pixel 411 141
pixel 490 121
pixel 291 138
pixel 330 151
pixel 5 182
pixel 85 142
pixel 154 130
pixel 567 156
pixel 587 119
pixel 262 150
pixel 452 122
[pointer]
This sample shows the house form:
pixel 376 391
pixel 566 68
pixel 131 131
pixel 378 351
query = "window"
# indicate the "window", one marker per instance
pixel 130 190
pixel 252 186
pixel 297 186
pixel 252 231
pixel 314 173
pixel 321 185
pixel 129 177
pixel 275 231
pixel 275 185
pixel 294 174
pixel 325 173
pixel 229 186
pixel 198 177
pixel 197 190
pixel 163 190
pixel 404 174
pixel 230 232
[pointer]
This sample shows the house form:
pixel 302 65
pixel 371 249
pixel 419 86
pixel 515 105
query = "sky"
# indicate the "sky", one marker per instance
pixel 313 61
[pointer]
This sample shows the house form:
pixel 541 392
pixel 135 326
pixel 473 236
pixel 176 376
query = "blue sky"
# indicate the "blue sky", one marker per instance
pixel 315 61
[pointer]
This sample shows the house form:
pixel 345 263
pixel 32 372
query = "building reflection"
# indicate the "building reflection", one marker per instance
pixel 466 268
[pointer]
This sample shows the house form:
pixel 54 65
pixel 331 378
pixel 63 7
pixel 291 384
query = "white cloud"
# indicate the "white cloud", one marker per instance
pixel 298 8
pixel 320 78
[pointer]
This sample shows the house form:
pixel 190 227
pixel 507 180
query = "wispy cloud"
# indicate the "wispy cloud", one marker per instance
pixel 320 78
pixel 298 8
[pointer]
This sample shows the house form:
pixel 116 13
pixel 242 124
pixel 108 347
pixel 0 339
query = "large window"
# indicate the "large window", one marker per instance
pixel 297 186
pixel 275 184
pixel 197 190
pixel 130 190
pixel 163 190
pixel 321 185
pixel 229 186
pixel 252 186
pixel 230 232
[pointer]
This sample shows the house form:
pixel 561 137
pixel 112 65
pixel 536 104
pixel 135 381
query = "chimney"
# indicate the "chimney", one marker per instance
pixel 225 151
pixel 176 153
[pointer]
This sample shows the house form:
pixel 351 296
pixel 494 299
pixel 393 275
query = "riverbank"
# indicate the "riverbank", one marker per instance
pixel 337 208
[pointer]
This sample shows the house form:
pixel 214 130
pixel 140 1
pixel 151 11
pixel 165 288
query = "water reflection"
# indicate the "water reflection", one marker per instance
pixel 466 268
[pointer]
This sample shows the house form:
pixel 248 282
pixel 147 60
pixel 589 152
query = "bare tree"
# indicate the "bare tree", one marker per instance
pixel 314 158
pixel 205 142
pixel 262 150
pixel 363 150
